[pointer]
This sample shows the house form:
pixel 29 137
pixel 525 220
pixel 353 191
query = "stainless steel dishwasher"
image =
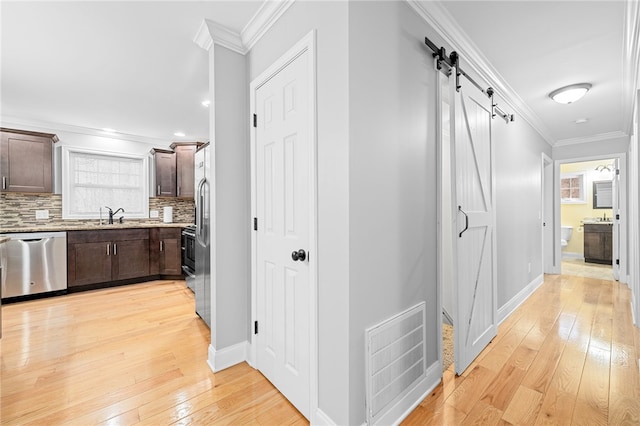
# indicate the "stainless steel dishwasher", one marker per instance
pixel 35 263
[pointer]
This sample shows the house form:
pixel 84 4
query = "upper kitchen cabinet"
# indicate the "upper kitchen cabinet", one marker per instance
pixel 26 160
pixel 164 172
pixel 185 154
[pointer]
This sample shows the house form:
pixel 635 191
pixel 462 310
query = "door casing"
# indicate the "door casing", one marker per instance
pixel 308 44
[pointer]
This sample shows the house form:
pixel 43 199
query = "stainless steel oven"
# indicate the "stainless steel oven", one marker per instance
pixel 189 255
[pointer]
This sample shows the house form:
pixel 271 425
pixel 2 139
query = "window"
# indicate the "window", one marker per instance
pixel 92 180
pixel 572 189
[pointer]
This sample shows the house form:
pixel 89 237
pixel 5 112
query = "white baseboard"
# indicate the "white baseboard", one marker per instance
pixel 226 357
pixel 321 418
pixel 404 407
pixel 570 255
pixel 512 305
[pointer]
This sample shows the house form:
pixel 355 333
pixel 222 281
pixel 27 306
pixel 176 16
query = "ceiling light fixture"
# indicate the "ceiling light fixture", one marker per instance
pixel 206 103
pixel 179 134
pixel 571 93
pixel 581 120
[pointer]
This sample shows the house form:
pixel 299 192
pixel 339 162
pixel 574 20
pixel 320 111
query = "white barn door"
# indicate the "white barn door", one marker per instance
pixel 282 183
pixel 475 317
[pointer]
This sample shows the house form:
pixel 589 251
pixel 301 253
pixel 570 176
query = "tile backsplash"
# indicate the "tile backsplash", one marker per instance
pixel 19 210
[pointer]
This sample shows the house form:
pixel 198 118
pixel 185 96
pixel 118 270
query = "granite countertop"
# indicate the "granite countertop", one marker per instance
pixel 597 222
pixel 92 226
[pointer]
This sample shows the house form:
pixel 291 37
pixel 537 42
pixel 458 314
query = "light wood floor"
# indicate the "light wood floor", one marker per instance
pixel 137 355
pixel 568 355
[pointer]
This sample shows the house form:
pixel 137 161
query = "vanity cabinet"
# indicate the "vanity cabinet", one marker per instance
pixel 598 243
pixel 102 256
pixel 165 251
pixel 26 161
pixel 165 172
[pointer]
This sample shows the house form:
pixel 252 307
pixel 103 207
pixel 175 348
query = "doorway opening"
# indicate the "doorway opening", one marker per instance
pixel 589 205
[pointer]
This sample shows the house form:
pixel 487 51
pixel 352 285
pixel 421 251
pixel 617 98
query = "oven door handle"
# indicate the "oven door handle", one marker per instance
pixel 188 272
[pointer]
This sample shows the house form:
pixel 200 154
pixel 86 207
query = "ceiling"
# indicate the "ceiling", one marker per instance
pixel 133 66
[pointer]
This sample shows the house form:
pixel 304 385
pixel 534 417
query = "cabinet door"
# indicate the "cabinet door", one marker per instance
pixel 26 163
pixel 607 246
pixel 184 165
pixel 89 263
pixel 131 259
pixel 169 251
pixel 165 174
pixel 592 245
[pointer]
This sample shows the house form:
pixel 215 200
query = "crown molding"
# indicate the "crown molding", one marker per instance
pixel 21 123
pixel 265 17
pixel 211 32
pixel 592 138
pixel 446 26
pixel 630 61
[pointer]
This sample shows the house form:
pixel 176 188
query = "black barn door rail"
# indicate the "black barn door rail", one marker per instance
pixel 447 64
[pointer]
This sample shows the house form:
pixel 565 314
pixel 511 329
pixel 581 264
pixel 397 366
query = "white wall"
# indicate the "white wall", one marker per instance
pixel 231 260
pixel 330 21
pixel 518 205
pixel 591 149
pixel 634 213
pixel 392 177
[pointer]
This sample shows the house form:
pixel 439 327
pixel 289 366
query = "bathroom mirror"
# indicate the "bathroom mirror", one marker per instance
pixel 602 195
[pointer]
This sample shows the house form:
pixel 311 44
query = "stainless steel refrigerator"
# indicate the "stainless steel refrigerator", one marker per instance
pixel 203 233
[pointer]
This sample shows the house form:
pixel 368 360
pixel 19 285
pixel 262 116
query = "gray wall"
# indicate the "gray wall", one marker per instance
pixel 231 300
pixel 392 177
pixel 518 171
pixel 330 21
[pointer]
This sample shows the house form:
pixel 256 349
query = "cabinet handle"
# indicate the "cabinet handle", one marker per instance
pixel 108 249
pixel 115 249
pixel 158 192
pixel 161 246
pixel 4 182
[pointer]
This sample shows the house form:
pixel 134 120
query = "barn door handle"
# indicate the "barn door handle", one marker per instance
pixel 300 255
pixel 466 221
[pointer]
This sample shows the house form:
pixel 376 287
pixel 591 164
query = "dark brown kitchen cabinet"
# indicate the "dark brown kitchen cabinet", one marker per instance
pixel 165 172
pixel 165 251
pixel 104 256
pixel 185 155
pixel 26 161
pixel 598 243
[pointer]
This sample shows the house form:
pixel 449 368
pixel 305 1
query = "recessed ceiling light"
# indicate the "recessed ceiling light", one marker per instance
pixel 179 134
pixel 582 120
pixel 206 103
pixel 569 94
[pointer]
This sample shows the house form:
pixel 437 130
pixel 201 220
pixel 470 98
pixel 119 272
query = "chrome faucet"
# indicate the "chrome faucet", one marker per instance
pixel 112 213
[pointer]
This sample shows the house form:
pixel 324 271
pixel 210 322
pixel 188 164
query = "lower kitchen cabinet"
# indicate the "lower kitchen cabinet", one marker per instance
pixel 103 256
pixel 166 252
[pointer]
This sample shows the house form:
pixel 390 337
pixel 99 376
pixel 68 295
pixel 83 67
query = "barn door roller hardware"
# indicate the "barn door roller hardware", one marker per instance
pixel 451 63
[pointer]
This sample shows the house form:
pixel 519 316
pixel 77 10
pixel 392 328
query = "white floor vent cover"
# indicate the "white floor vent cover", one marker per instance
pixel 395 360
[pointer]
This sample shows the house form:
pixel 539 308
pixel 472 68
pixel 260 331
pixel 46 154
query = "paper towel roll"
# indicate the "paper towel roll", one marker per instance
pixel 167 214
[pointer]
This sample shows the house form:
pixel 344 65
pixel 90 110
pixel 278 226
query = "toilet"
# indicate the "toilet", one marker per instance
pixel 565 235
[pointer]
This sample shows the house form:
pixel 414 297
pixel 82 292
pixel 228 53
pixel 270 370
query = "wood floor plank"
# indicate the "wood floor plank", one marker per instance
pixel 524 407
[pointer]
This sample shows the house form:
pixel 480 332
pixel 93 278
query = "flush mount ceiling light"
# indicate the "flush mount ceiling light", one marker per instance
pixel 569 94
pixel 179 134
pixel 206 103
pixel 581 120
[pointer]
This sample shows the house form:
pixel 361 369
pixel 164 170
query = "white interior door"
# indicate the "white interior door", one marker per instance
pixel 282 184
pixel 475 318
pixel 548 242
pixel 615 198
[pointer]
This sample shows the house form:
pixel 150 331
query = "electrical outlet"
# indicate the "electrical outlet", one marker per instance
pixel 154 213
pixel 42 214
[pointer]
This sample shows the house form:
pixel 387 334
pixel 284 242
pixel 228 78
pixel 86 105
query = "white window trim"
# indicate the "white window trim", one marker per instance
pixel 66 184
pixel 583 198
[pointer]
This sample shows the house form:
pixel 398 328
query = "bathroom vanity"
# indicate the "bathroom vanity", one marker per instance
pixel 598 242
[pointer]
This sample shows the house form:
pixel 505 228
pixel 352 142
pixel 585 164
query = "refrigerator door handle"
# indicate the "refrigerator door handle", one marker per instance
pixel 200 211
